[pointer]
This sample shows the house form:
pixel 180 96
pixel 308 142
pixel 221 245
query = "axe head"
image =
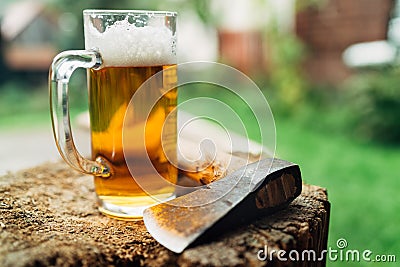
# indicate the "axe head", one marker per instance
pixel 254 190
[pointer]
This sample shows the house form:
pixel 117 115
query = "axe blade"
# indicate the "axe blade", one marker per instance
pixel 254 190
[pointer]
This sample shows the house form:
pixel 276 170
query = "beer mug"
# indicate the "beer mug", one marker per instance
pixel 123 49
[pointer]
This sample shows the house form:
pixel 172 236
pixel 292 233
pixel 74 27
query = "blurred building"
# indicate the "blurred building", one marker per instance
pixel 242 26
pixel 328 29
pixel 27 37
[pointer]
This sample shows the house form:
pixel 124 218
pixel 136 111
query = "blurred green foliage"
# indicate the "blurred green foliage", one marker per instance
pixel 365 107
pixel 374 104
pixel 286 81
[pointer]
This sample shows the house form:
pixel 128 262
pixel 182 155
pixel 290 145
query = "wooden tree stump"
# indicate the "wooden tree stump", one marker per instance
pixel 48 217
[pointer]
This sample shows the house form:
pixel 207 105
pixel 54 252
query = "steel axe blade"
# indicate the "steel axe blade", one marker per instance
pixel 254 190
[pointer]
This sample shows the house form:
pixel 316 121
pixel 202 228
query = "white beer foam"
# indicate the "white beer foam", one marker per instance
pixel 123 44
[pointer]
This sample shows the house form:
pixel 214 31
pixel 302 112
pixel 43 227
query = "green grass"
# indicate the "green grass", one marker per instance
pixel 20 107
pixel 25 106
pixel 362 181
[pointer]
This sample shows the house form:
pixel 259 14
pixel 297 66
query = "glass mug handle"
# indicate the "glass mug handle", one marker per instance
pixel 64 64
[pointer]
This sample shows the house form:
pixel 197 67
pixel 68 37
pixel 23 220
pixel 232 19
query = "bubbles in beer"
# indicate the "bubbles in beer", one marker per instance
pixel 125 44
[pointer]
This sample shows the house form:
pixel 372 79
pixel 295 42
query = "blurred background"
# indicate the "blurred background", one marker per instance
pixel 329 69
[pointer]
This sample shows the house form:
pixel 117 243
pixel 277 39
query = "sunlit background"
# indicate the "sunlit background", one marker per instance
pixel 329 69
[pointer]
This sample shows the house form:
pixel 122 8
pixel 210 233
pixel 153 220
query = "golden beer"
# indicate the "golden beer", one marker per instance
pixel 110 90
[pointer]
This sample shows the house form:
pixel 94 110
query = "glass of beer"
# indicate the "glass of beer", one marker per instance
pixel 123 49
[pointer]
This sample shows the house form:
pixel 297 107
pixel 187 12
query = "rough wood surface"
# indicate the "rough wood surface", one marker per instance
pixel 48 217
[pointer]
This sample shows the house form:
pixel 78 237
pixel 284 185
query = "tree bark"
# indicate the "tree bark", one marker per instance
pixel 48 217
